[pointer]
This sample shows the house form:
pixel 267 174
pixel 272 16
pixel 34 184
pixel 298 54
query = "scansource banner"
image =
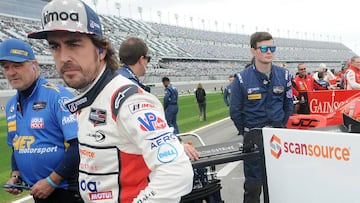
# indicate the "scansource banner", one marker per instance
pixel 312 166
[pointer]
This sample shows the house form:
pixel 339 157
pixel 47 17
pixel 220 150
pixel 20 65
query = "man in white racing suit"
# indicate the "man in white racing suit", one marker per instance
pixel 127 151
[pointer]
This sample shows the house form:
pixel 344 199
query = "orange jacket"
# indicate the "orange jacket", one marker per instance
pixel 307 83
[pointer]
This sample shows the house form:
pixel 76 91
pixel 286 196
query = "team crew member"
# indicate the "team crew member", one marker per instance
pixel 134 54
pixel 227 91
pixel 127 151
pixel 171 104
pixel 352 74
pixel 38 125
pixel 304 82
pixel 261 96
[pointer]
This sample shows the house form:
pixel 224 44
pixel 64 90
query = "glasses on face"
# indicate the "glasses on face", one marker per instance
pixel 148 58
pixel 265 49
pixel 301 69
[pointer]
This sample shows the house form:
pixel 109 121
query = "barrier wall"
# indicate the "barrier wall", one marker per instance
pixel 312 166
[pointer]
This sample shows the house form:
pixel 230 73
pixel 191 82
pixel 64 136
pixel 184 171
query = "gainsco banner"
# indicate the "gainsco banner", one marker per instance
pixel 325 102
pixel 325 107
pixel 312 166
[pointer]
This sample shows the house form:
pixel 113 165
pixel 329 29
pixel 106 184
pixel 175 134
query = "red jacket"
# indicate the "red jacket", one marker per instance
pixel 307 83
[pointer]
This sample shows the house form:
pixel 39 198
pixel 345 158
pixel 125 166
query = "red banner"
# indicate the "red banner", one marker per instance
pixel 328 101
pixel 325 107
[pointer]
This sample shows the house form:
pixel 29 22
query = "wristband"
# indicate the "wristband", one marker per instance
pixel 51 182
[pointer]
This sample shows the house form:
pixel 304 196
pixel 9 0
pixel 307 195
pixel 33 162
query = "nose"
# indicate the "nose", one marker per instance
pixel 64 55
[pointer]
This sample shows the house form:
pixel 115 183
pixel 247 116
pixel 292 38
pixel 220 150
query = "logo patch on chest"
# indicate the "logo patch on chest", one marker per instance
pixel 97 116
pixel 37 106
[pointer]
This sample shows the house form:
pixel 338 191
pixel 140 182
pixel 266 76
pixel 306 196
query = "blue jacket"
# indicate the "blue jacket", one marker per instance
pixel 171 96
pixel 258 101
pixel 38 129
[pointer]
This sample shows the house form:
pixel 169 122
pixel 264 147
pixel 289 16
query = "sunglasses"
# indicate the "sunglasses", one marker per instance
pixel 265 49
pixel 148 58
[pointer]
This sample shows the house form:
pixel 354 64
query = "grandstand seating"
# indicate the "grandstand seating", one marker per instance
pixel 184 53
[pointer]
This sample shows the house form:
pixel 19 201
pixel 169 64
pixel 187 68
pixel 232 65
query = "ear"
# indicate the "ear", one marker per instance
pixel 102 53
pixel 253 51
pixel 34 64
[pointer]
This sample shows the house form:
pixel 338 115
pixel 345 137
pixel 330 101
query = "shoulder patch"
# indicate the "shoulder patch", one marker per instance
pixel 120 95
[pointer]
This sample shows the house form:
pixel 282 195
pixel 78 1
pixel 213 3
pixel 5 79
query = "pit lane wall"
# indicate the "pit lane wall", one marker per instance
pixel 312 166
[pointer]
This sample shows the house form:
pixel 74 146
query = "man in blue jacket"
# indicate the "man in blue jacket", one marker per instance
pixel 261 96
pixel 227 91
pixel 40 130
pixel 171 104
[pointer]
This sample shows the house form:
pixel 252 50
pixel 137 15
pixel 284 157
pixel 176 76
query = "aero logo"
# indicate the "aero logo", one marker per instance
pixel 275 145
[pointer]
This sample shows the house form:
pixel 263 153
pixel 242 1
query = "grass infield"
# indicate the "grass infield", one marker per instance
pixel 188 120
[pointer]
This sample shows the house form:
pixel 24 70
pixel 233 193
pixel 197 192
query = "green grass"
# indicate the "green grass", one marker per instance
pixel 188 116
pixel 188 120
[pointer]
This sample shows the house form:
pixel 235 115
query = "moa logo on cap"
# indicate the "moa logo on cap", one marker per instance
pixel 70 16
pixel 62 16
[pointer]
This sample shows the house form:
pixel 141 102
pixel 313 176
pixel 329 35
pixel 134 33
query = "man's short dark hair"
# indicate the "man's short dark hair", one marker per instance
pixel 259 37
pixel 132 49
pixel 165 79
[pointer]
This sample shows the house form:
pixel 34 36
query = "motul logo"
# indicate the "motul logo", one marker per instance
pixel 62 16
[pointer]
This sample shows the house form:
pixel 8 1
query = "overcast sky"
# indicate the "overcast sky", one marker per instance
pixel 327 20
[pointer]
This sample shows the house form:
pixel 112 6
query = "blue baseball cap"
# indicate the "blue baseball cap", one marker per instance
pixel 69 16
pixel 16 50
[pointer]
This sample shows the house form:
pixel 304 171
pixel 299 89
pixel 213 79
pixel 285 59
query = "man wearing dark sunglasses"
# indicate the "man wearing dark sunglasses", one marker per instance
pixel 134 54
pixel 261 96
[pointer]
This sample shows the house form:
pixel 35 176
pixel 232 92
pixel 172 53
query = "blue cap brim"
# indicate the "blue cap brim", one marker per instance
pixel 13 59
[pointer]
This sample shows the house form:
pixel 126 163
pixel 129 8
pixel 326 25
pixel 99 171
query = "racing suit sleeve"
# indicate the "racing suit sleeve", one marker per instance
pixel 171 173
pixel 236 104
pixel 68 166
pixel 351 81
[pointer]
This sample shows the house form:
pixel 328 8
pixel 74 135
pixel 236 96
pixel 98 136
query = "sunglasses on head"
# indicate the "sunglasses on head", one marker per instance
pixel 265 49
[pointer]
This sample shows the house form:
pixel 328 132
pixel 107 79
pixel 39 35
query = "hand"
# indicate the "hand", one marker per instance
pixel 13 191
pixel 42 189
pixel 191 152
